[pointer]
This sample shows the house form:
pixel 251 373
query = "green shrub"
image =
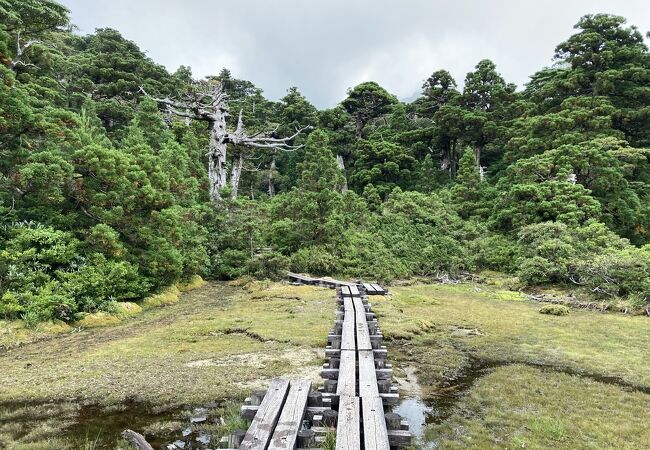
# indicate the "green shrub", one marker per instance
pixel 231 263
pixel 495 252
pixel 364 256
pixel 617 273
pixel 555 310
pixel 271 265
pixel 314 260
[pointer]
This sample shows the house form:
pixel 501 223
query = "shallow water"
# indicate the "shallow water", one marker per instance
pixel 422 406
pixel 99 428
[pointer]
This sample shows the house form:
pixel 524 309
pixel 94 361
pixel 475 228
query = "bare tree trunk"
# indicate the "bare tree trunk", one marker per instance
pixel 477 156
pixel 359 130
pixel 237 166
pixel 341 164
pixel 207 102
pixel 453 168
pixel 217 153
pixel 271 186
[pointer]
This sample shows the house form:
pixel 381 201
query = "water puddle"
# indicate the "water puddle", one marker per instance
pixel 76 426
pixel 422 406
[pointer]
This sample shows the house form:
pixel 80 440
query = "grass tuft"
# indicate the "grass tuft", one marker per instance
pixel 555 310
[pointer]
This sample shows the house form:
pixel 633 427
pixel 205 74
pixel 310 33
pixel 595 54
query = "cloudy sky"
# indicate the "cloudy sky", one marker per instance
pixel 327 46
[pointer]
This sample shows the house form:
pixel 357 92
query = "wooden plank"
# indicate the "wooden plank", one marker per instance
pixel 347 334
pixel 345 291
pixel 354 290
pixel 348 436
pixel 259 433
pixel 369 288
pixel 247 412
pixel 380 290
pixel 367 376
pixel 363 334
pixel 348 305
pixel 347 375
pixel 399 438
pixel 380 353
pixel 290 421
pixel 375 434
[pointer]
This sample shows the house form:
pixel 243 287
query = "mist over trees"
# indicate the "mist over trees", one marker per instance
pixel 118 178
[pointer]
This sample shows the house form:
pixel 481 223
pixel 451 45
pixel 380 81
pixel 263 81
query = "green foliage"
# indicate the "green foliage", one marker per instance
pixel 317 260
pixel 365 102
pixel 385 165
pixel 271 265
pixel 104 199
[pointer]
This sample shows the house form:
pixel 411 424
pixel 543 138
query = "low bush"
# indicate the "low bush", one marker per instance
pixel 314 260
pixel 555 310
pixel 271 265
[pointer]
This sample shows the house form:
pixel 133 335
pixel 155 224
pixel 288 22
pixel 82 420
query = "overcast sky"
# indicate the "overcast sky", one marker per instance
pixel 326 46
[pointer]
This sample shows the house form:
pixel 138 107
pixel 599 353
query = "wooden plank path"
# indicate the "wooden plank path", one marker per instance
pixel 370 288
pixel 356 398
pixel 260 432
pixel 373 395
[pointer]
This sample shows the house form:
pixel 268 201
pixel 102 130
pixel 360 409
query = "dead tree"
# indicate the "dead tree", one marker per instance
pixel 21 48
pixel 341 163
pixel 207 102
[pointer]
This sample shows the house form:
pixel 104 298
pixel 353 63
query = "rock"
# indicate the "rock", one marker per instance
pixel 203 438
pixel 179 444
pixel 187 432
pixel 198 419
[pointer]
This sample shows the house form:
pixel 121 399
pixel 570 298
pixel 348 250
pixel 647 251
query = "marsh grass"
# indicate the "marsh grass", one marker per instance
pixel 548 381
pixel 218 343
pixel 524 407
pixel 424 321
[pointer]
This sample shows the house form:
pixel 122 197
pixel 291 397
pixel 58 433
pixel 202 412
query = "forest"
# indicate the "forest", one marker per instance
pixel 119 178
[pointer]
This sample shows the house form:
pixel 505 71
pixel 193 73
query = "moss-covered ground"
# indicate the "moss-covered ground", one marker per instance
pixel 518 378
pixel 216 343
pixel 497 372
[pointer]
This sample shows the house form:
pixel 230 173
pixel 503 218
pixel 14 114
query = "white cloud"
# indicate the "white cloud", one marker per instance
pixel 326 46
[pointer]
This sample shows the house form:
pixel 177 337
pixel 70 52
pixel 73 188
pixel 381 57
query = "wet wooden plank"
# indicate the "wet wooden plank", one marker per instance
pixel 347 379
pixel 348 435
pixel 259 433
pixel 367 376
pixel 290 421
pixel 375 434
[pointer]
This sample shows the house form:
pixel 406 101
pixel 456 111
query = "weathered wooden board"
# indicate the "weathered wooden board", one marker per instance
pixel 354 289
pixel 348 305
pixel 347 380
pixel 375 434
pixel 290 421
pixel 347 334
pixel 369 289
pixel 367 376
pixel 348 436
pixel 380 290
pixel 363 333
pixel 259 433
pixel 345 291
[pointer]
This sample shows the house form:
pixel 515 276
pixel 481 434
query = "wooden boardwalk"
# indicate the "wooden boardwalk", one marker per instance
pixel 370 288
pixel 357 396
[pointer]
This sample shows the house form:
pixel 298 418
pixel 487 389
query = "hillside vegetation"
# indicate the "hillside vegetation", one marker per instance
pixel 105 195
